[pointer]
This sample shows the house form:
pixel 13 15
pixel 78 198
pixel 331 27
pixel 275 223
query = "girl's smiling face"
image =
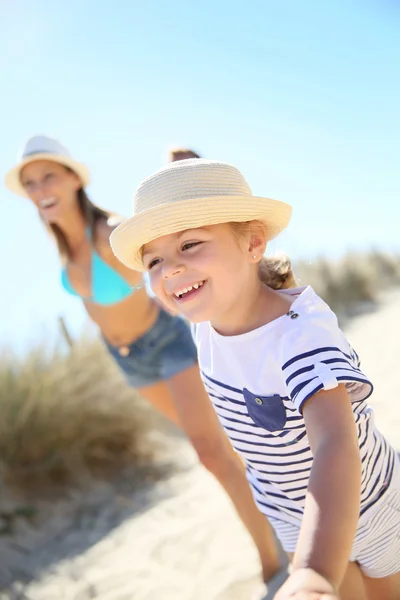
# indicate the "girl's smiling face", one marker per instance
pixel 202 273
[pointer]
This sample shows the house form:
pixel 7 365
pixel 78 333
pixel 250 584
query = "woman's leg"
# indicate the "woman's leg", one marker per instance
pixel 159 397
pixel 184 400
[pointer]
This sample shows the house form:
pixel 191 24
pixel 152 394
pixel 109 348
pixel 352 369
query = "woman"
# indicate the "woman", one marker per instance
pixel 153 349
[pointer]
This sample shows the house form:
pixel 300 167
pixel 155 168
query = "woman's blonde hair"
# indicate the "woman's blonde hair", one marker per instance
pixel 274 271
pixel 91 214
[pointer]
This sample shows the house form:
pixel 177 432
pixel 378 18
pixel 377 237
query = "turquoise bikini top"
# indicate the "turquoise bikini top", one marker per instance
pixel 108 287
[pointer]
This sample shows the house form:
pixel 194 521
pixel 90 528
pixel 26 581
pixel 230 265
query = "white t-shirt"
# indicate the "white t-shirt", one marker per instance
pixel 258 382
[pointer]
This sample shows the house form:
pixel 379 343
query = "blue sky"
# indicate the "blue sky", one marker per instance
pixel 303 96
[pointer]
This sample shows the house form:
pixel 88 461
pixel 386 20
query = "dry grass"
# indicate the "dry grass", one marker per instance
pixel 66 418
pixel 352 281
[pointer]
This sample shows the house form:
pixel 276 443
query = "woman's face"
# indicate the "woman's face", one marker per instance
pixel 52 188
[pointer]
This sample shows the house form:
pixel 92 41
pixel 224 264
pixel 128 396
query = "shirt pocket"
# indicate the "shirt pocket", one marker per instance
pixel 268 412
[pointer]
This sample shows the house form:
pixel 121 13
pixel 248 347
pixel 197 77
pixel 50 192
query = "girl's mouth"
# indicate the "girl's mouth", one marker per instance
pixel 190 290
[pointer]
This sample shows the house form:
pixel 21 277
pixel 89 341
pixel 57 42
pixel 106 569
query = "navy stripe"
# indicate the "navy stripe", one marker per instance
pixel 244 423
pixel 263 444
pixel 313 353
pixel 312 393
pixel 363 439
pixel 299 372
pixel 348 368
pixel 283 497
pixel 272 436
pixel 223 385
pixel 295 489
pixel 213 395
pixel 243 450
pixel 227 408
pixel 351 364
pixel 367 461
pixel 282 484
pixel 286 464
pixel 328 361
pixel 223 407
pixel 281 506
pixel 382 491
pixel 297 389
pixel 378 478
pixel 367 427
pixel 275 508
pixel 257 435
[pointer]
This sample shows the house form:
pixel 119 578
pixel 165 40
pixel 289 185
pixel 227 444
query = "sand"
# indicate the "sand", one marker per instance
pixel 182 540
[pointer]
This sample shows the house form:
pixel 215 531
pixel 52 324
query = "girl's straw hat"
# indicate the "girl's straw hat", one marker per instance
pixel 41 147
pixel 188 194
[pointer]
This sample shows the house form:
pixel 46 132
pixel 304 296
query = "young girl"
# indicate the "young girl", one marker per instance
pixel 283 379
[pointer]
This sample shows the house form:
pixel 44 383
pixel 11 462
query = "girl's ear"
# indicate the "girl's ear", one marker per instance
pixel 257 242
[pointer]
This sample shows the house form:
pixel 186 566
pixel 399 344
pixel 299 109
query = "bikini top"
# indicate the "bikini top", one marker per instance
pixel 108 287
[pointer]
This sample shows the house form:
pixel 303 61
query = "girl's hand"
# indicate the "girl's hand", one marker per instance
pixel 306 584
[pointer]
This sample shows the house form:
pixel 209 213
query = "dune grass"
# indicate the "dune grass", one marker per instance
pixel 68 416
pixel 352 281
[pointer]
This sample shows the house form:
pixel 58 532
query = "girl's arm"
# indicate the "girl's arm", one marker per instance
pixel 333 497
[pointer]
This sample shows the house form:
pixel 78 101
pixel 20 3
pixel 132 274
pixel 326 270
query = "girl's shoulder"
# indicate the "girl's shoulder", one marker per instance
pixel 308 309
pixel 310 327
pixel 315 354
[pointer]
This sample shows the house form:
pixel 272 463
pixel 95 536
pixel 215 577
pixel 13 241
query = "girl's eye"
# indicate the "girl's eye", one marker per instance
pixel 188 245
pixel 49 176
pixel 153 263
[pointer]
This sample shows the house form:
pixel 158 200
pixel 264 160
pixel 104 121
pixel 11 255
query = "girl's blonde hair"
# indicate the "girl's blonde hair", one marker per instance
pixel 274 271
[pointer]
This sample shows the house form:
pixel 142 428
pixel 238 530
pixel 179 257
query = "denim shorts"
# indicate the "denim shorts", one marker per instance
pixel 163 351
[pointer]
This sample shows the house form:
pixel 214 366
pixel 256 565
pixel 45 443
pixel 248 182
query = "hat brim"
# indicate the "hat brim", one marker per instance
pixel 12 179
pixel 128 239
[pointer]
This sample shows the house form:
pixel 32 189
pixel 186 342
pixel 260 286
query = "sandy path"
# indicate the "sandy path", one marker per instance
pixel 189 545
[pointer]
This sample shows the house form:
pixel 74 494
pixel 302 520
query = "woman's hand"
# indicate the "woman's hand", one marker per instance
pixel 306 584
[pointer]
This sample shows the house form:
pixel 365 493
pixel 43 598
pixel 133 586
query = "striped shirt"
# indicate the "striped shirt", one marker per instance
pixel 258 382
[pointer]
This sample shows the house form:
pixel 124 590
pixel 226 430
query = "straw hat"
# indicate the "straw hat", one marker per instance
pixel 187 194
pixel 41 147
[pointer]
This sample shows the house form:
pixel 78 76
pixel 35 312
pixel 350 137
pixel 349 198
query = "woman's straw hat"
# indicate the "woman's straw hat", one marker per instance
pixel 41 147
pixel 187 194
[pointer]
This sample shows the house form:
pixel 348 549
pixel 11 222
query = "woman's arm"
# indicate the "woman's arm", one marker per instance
pixel 333 496
pixel 103 232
